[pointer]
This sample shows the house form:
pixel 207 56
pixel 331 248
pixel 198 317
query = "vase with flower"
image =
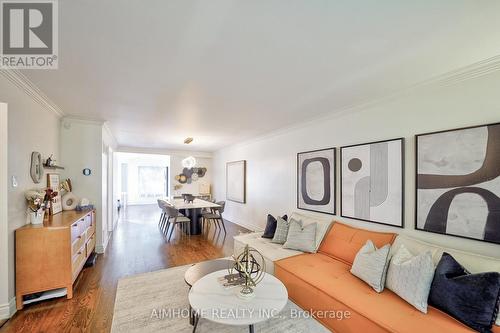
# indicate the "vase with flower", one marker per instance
pixel 36 205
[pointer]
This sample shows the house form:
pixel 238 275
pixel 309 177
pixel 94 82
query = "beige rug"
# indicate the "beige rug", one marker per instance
pixel 150 303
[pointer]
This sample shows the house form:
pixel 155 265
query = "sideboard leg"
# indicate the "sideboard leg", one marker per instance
pixel 70 291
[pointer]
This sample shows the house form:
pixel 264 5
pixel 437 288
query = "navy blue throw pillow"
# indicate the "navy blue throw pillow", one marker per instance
pixel 471 298
pixel 271 226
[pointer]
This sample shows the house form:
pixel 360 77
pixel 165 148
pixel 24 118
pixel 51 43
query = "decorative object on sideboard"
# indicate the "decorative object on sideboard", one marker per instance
pixel 48 199
pixel 189 175
pixel 84 205
pixel 69 200
pixel 371 182
pixel 54 183
pixel 36 169
pixel 36 205
pixel 458 182
pixel 316 180
pixel 236 181
pixel 249 267
pixel 87 172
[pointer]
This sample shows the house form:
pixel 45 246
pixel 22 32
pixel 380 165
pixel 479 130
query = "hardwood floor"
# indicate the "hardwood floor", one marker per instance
pixel 137 246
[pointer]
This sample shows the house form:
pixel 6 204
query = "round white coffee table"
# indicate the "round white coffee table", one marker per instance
pixel 210 300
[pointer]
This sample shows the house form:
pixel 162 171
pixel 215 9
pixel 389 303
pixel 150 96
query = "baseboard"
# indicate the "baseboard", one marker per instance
pixel 9 309
pixel 248 226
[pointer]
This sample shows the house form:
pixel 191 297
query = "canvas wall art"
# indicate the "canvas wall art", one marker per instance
pixel 458 183
pixel 236 181
pixel 316 181
pixel 372 178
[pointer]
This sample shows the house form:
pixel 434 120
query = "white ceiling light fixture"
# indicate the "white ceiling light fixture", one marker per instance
pixel 189 162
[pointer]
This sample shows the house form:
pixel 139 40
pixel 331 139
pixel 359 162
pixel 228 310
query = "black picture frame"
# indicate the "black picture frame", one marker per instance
pixel 402 140
pixel 333 191
pixel 417 136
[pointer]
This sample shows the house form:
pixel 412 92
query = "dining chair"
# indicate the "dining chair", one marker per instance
pixel 161 205
pixel 175 218
pixel 216 215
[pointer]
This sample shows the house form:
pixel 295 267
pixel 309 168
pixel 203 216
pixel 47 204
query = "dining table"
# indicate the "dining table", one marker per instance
pixel 192 210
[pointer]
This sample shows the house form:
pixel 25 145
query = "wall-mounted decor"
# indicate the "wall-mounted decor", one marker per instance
pixel 236 181
pixel 371 182
pixel 190 175
pixel 316 180
pixel 36 169
pixel 54 183
pixel 458 183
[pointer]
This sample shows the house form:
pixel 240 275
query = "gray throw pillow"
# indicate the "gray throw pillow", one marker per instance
pixel 301 238
pixel 281 231
pixel 410 277
pixel 370 265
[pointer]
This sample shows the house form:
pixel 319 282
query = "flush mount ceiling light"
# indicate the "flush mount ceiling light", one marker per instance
pixel 188 140
pixel 189 162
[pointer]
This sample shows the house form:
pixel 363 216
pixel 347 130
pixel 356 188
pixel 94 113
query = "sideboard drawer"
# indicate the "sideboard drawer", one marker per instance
pixel 77 261
pixel 77 244
pixel 90 245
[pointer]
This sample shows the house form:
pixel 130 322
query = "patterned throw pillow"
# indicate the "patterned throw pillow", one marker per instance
pixel 281 232
pixel 410 277
pixel 471 298
pixel 301 238
pixel 370 265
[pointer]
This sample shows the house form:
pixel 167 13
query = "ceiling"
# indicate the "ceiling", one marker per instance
pixel 224 71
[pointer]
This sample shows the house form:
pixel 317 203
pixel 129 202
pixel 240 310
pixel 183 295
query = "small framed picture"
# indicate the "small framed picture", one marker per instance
pixel 54 182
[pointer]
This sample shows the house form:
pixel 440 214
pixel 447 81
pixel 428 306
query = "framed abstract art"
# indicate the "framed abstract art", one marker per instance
pixel 316 180
pixel 372 182
pixel 236 181
pixel 458 182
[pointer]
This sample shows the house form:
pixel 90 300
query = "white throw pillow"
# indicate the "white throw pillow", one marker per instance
pixel 370 265
pixel 301 238
pixel 410 277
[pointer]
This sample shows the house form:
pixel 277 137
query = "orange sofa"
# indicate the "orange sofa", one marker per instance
pixel 321 283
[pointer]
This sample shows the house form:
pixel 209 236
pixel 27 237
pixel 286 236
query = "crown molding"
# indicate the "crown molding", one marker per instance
pixel 160 151
pixel 29 88
pixel 462 74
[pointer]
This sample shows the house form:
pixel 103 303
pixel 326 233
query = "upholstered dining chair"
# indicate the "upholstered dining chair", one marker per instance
pixel 162 204
pixel 216 215
pixel 175 218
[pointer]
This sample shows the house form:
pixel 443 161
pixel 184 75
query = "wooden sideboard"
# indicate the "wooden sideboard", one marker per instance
pixel 50 256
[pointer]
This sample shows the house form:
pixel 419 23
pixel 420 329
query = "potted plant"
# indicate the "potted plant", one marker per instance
pixel 36 205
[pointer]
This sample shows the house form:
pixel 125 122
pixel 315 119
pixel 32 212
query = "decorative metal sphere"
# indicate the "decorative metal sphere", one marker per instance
pixel 250 265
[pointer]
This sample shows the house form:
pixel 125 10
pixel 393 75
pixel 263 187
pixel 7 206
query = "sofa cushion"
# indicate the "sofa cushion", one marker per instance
pixel 333 287
pixel 343 242
pixel 411 276
pixel 370 265
pixel 323 225
pixel 301 238
pixel 281 233
pixel 471 298
pixel 474 263
pixel 271 226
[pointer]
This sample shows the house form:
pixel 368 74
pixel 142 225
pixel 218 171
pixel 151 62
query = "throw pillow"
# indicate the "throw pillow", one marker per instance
pixel 410 277
pixel 271 226
pixel 470 298
pixel 301 238
pixel 370 265
pixel 281 231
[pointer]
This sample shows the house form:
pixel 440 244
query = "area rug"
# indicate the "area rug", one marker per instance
pixel 158 302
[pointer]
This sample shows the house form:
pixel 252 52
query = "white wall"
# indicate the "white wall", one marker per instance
pixel 31 127
pixel 4 237
pixel 81 147
pixel 271 160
